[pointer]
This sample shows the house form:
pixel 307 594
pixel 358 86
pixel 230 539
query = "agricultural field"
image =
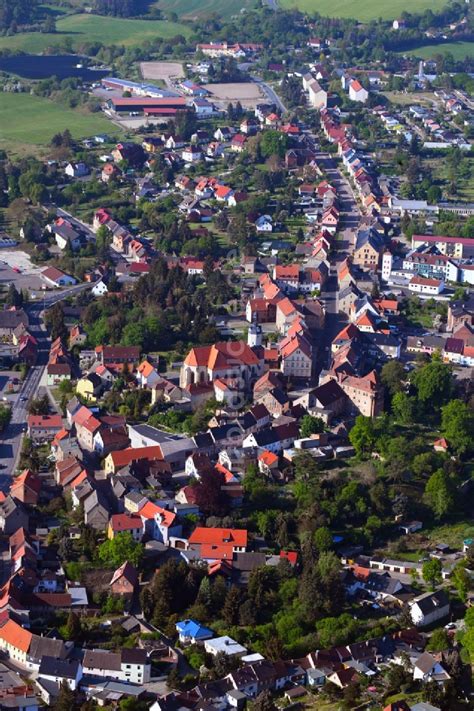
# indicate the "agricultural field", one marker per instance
pixel 364 10
pixel 29 122
pixel 83 28
pixel 193 9
pixel 459 50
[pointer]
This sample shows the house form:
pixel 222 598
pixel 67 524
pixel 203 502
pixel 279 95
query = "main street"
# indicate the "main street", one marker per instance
pixel 350 221
pixel 11 438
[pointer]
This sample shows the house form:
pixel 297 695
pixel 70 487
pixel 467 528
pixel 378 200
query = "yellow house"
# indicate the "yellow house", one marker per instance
pixel 89 387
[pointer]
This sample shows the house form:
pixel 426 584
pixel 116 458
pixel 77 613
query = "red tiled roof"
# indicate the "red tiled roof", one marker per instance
pixel 132 454
pixel 222 355
pixel 268 458
pixel 14 634
pixel 219 536
pixel 45 421
pixel 125 522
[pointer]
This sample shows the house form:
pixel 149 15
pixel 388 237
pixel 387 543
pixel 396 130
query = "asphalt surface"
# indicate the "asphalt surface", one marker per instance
pixel 350 220
pixel 271 95
pixel 11 438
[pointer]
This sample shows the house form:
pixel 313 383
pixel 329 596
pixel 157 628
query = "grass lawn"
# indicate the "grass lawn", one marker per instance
pixel 83 28
pixel 28 122
pixel 459 50
pixel 399 97
pixel 190 9
pixel 363 10
pixel 451 533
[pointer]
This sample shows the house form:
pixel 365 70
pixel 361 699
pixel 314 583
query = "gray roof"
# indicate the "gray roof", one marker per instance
pixel 99 659
pixel 431 601
pixel 425 662
pixel 371 237
pixel 47 647
pixel 12 319
pixel 65 668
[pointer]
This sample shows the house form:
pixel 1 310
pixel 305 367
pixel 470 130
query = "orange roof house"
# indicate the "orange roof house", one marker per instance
pixel 267 460
pixel 441 445
pixel 26 487
pixel 15 639
pixel 149 511
pixel 237 538
pixel 121 458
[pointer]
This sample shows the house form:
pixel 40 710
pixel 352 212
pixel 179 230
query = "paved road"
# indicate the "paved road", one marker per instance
pixel 10 440
pixel 271 95
pixel 350 221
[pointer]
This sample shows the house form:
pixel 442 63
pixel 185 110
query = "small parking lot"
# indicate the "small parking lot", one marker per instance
pixel 10 385
pixel 28 275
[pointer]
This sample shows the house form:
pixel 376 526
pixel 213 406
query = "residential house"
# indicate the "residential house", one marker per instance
pixel 368 249
pixel 296 357
pixel 192 632
pixel 238 142
pixel 125 523
pixel 357 92
pixel 76 170
pixel 90 387
pixel 427 668
pixel 129 665
pixel 96 511
pixel 224 645
pixel 56 277
pixel 61 671
pixel 429 607
pixel 124 581
pixel 426 286
pixel 147 375
pixel 43 428
pixel 12 516
pixel 26 487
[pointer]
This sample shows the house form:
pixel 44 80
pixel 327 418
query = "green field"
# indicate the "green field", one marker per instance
pixel 459 50
pixel 94 28
pixel 28 123
pixel 191 9
pixel 363 10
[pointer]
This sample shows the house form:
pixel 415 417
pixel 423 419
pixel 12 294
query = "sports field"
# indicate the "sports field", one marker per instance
pixel 363 10
pixel 29 122
pixel 459 50
pixel 95 28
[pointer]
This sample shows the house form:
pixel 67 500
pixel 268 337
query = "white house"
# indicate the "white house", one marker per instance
pixel 387 263
pixel 76 170
pixel 264 223
pixel 147 375
pixel 423 285
pixel 191 154
pixel 100 288
pixel 131 665
pixel 296 357
pixel 429 607
pixel 427 668
pixel 225 645
pixel 61 670
pixel 202 107
pixel 357 92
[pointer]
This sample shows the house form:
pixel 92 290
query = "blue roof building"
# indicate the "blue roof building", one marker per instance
pixel 190 632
